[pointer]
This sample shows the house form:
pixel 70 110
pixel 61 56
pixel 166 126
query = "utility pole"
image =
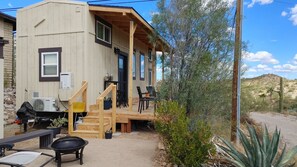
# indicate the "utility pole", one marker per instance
pixel 235 116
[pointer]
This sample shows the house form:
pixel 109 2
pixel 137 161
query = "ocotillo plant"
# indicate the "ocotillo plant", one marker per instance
pixel 281 94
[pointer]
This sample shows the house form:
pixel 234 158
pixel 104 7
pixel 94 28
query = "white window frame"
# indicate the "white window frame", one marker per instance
pixel 43 64
pixel 104 27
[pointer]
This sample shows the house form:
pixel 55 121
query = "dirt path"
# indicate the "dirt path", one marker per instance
pixel 286 123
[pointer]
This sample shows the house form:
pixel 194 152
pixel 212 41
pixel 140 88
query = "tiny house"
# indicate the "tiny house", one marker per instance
pixel 62 43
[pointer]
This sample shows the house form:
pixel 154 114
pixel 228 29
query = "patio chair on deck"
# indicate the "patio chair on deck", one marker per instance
pixel 21 157
pixel 143 99
pixel 152 91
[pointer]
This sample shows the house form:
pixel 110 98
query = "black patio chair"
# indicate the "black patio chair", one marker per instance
pixel 152 91
pixel 143 99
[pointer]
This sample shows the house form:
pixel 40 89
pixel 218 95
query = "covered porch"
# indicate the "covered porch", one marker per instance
pixel 139 30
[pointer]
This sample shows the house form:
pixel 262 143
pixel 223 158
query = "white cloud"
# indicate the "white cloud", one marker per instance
pixel 261 2
pixel 261 56
pixel 277 67
pixel 293 15
pixel 244 66
pixel 295 59
pixel 154 13
pixel 230 2
pixel 290 67
pixel 10 5
pixel 252 70
pixel 231 30
pixel 262 66
pixel 285 68
pixel 284 13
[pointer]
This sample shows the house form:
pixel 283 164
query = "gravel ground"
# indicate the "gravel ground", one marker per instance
pixel 286 123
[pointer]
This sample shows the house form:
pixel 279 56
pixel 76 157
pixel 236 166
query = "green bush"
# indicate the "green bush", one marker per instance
pixel 187 143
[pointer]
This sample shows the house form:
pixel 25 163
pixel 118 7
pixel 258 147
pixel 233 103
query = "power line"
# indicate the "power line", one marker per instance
pixel 10 9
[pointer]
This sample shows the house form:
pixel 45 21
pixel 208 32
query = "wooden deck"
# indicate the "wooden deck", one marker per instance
pixel 123 113
pixel 124 116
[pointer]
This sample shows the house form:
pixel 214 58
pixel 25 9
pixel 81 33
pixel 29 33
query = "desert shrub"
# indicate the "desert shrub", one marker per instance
pixel 187 142
pixel 260 150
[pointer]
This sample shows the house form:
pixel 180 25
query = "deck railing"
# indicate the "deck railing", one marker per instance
pixel 100 102
pixel 81 92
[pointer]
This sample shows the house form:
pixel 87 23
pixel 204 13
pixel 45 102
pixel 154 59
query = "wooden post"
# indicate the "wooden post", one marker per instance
pixel 84 95
pixel 154 56
pixel 114 103
pixel 70 118
pixel 1 93
pixel 101 118
pixel 236 74
pixel 130 75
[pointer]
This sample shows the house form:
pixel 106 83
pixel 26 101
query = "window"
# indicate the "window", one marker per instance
pixel 150 55
pixel 103 32
pixel 134 66
pixel 150 76
pixel 49 64
pixel 142 65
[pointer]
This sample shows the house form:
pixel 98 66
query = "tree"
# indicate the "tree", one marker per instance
pixel 202 45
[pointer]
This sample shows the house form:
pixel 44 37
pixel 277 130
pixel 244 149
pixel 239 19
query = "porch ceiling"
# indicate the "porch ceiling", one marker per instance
pixel 121 17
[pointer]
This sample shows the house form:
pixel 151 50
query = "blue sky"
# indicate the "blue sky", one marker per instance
pixel 269 28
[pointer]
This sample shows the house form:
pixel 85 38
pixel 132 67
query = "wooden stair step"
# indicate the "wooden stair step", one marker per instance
pixel 92 126
pixel 96 113
pixel 94 119
pixel 86 133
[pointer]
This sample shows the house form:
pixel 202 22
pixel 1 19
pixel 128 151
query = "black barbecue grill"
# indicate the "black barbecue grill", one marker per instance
pixel 25 113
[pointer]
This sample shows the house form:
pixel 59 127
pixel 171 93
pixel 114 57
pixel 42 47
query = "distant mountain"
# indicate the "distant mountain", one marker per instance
pixel 261 84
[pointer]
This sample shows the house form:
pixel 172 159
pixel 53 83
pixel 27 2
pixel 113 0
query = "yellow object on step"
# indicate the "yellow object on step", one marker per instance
pixel 79 107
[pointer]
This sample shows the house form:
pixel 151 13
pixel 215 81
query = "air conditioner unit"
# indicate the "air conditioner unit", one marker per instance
pixel 44 104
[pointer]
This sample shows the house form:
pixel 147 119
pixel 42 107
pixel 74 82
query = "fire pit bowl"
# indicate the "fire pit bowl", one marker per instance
pixel 69 145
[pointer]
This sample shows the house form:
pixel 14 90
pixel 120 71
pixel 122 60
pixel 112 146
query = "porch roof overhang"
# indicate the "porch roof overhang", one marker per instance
pixel 9 19
pixel 121 17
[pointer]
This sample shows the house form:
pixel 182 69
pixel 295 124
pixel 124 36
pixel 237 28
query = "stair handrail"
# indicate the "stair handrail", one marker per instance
pixel 81 92
pixel 100 102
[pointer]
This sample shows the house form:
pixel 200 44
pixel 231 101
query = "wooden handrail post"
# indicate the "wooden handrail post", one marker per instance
pixel 70 118
pixel 114 103
pixel 84 95
pixel 81 92
pixel 101 120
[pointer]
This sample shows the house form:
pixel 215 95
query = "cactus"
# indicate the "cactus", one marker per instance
pixel 281 95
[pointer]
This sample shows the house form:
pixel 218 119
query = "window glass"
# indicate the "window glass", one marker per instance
pixel 50 58
pixel 100 30
pixel 142 67
pixel 50 70
pixel 121 63
pixel 134 66
pixel 107 34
